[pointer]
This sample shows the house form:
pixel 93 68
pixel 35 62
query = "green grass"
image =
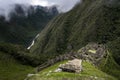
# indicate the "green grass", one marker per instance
pixel 10 69
pixel 92 51
pixel 109 66
pixel 89 72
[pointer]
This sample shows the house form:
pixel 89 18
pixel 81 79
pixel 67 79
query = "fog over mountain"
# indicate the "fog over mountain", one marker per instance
pixel 63 5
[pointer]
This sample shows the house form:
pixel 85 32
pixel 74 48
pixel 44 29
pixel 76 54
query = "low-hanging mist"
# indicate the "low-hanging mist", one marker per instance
pixel 62 5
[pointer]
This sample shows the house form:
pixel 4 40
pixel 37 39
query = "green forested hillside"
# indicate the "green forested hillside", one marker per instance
pixel 15 35
pixel 90 21
pixel 22 28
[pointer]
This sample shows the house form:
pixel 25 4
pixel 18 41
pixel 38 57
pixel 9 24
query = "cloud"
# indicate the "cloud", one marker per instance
pixel 63 5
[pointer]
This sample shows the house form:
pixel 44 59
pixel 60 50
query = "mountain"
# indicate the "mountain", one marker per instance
pixel 90 21
pixel 95 21
pixel 24 23
pixel 90 33
pixel 16 33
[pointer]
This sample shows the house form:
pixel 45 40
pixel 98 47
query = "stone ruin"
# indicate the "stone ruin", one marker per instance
pixel 74 65
pixel 92 52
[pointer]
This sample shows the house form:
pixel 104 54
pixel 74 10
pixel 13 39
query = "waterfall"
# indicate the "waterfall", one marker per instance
pixel 33 42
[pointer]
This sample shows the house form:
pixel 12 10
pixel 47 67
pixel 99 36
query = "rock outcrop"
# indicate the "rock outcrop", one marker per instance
pixel 72 66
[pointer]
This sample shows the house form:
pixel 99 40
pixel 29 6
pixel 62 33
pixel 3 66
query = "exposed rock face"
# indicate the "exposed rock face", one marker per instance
pixel 72 66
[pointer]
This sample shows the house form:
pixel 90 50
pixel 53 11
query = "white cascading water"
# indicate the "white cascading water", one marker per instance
pixel 33 42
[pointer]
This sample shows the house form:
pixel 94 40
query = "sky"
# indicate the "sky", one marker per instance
pixel 63 5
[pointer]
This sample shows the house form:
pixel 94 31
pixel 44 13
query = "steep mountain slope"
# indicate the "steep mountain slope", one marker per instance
pixel 90 21
pixel 24 24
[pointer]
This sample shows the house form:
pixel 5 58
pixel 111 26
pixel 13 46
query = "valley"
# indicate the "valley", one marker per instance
pixel 42 43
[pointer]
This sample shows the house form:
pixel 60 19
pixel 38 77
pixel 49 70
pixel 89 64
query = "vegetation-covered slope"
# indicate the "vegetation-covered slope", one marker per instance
pixel 90 21
pixel 11 65
pixel 24 24
pixel 89 73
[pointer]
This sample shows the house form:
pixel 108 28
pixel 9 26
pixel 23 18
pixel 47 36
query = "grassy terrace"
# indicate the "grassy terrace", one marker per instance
pixel 89 72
